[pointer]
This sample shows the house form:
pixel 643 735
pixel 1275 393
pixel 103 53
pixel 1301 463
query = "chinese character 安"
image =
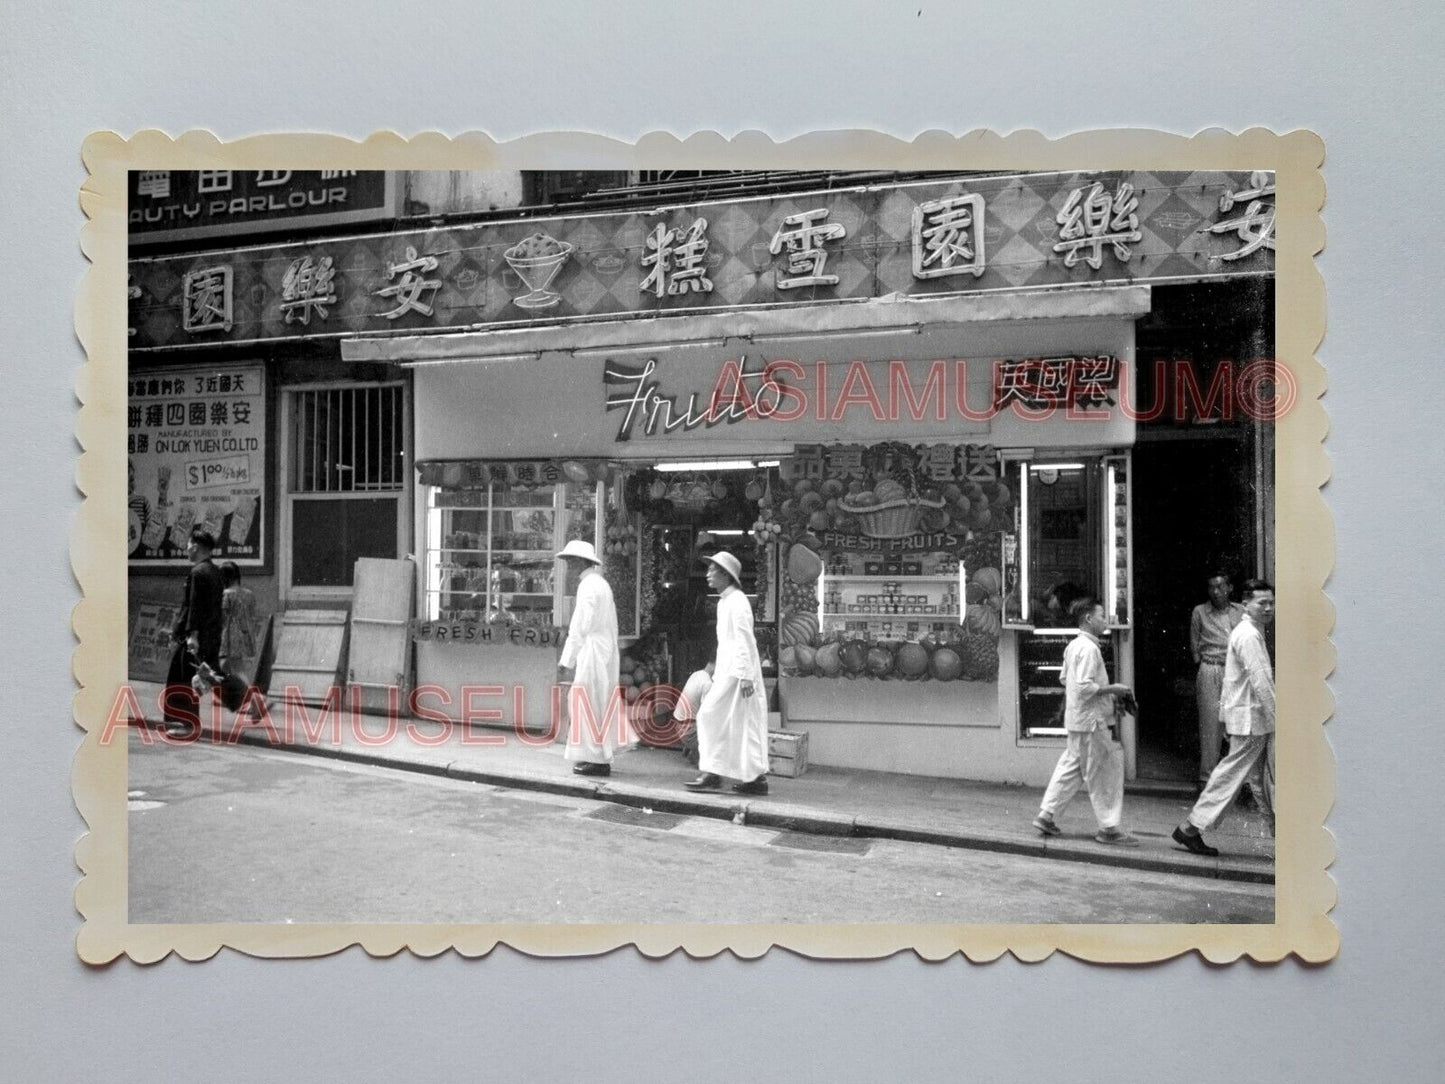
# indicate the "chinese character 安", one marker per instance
pixel 1256 226
pixel 409 288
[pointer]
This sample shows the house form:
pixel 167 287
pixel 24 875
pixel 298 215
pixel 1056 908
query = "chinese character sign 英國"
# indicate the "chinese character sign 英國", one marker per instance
pixel 196 456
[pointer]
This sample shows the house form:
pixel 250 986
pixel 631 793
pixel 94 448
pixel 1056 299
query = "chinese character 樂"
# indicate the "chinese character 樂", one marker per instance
pixel 409 288
pixel 206 300
pixel 1092 218
pixel 307 286
pixel 804 235
pixel 1256 226
pixel 678 261
pixel 948 237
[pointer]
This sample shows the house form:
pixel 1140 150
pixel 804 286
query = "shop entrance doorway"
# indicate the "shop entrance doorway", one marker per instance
pixel 1193 515
pixel 686 613
pixel 693 514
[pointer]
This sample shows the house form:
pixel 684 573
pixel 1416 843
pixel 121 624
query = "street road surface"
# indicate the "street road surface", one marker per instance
pixel 240 834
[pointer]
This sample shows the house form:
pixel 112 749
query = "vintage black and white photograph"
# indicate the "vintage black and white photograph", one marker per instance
pixel 747 546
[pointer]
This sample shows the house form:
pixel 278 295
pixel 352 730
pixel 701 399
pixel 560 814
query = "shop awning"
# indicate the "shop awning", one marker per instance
pixel 800 322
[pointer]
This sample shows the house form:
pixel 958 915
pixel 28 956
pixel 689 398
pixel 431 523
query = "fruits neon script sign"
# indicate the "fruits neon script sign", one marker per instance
pixel 773 393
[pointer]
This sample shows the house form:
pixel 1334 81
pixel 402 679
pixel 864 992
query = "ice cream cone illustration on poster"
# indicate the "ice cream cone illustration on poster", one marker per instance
pixel 536 260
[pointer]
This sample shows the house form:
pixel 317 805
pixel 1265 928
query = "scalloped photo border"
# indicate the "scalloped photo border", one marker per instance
pixel 1304 891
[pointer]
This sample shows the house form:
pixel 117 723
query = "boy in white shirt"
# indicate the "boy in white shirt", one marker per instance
pixel 1092 758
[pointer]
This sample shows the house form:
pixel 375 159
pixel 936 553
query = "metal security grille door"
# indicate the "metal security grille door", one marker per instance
pixel 346 473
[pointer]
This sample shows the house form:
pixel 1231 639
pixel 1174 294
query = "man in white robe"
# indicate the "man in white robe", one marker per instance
pixel 596 710
pixel 732 721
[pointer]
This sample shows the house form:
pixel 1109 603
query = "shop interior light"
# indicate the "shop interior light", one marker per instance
pixel 770 462
pixel 709 464
pixel 1055 466
pixel 725 530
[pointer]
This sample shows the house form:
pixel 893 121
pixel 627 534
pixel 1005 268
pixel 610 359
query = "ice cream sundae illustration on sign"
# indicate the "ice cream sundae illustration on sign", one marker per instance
pixel 536 260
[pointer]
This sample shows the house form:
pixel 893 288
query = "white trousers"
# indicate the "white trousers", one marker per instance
pixel 1208 685
pixel 1250 759
pixel 1093 760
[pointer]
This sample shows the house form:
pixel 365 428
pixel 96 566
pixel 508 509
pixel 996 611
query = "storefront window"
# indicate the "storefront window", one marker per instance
pixel 491 550
pixel 1069 538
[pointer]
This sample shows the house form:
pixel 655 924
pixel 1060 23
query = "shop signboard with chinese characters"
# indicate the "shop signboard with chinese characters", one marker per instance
pixel 183 205
pixel 907 240
pixel 196 448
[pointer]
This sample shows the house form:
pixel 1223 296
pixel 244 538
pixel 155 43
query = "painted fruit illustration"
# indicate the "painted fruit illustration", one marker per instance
pixel 912 660
pixel 828 661
pixel 879 661
pixel 984 621
pixel 854 656
pixel 807 658
pixel 946 665
pixel 989 579
pixel 979 658
pixel 804 566
pixel 798 628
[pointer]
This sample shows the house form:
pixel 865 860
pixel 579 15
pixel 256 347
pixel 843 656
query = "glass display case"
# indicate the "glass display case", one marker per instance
pixel 1041 696
pixel 925 594
pixel 490 551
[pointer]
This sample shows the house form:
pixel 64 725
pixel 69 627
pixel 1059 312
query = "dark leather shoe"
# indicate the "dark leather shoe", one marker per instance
pixel 1194 843
pixel 757 786
pixel 706 781
pixel 587 767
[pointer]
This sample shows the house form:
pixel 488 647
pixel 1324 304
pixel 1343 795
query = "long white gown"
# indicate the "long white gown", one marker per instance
pixel 732 729
pixel 597 722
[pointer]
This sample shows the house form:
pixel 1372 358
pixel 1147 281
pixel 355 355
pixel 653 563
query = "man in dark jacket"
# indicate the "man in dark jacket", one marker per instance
pixel 197 632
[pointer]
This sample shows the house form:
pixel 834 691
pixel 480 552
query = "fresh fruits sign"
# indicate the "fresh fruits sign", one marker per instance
pixel 941 504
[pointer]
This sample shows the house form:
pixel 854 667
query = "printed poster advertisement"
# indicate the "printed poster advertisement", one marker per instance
pixel 196 440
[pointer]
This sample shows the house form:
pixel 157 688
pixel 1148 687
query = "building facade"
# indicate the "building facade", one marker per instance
pixel 926 411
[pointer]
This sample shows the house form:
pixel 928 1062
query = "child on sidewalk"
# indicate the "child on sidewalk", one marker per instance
pixel 1092 757
pixel 238 624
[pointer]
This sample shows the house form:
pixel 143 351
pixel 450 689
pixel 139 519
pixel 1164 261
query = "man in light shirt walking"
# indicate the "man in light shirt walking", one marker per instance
pixel 1246 708
pixel 1092 758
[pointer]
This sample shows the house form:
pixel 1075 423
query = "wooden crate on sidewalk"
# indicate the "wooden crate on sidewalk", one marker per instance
pixel 787 753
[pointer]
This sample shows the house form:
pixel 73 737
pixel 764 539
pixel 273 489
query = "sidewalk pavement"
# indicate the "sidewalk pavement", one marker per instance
pixel 827 801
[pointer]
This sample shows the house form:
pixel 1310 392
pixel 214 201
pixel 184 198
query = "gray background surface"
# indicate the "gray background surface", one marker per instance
pixel 1364 78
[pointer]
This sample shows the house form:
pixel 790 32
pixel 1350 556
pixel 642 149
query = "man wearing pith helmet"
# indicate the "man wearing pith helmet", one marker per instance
pixel 732 721
pixel 590 662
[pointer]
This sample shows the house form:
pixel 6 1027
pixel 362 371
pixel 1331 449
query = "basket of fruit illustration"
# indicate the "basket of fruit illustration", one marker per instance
pixel 887 511
pixel 536 260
